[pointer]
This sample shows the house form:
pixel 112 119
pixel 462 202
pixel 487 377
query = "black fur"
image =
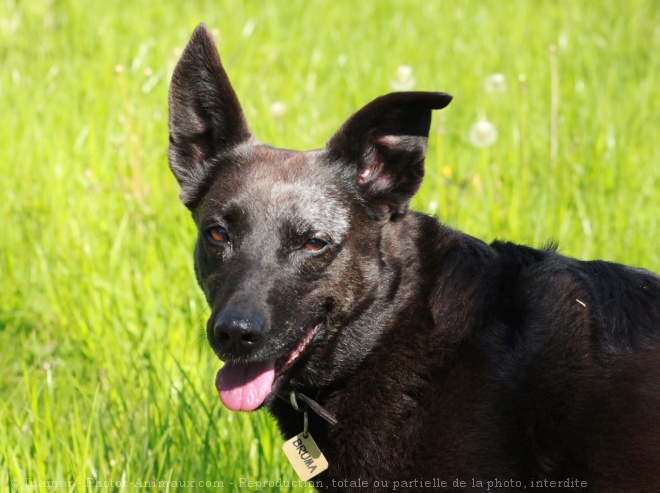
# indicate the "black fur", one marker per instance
pixel 442 358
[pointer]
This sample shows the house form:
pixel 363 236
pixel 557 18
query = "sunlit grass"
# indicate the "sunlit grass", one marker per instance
pixel 104 370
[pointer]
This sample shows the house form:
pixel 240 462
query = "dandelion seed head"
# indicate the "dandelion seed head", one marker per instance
pixel 278 109
pixel 404 73
pixel 483 133
pixel 495 83
pixel 404 78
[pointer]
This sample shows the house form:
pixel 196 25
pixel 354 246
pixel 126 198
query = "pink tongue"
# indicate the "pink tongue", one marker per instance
pixel 245 387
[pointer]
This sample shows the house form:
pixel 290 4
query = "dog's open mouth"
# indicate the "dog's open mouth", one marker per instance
pixel 245 387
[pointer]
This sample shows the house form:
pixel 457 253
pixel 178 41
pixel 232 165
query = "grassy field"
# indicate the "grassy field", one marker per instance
pixel 104 371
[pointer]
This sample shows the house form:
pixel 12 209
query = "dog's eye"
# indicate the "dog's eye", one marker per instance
pixel 217 235
pixel 315 245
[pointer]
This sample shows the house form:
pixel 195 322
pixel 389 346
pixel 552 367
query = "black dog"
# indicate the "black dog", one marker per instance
pixel 430 359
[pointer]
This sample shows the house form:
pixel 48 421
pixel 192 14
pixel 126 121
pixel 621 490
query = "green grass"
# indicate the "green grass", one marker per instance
pixel 104 371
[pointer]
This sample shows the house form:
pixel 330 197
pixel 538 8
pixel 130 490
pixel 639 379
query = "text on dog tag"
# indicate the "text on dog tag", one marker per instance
pixel 305 456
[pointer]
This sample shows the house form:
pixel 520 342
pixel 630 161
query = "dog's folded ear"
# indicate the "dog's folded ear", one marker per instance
pixel 384 144
pixel 205 117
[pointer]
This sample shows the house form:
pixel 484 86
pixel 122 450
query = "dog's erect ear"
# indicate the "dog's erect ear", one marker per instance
pixel 386 142
pixel 205 118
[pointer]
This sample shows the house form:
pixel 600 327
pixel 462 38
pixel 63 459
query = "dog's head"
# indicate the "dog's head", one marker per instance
pixel 291 246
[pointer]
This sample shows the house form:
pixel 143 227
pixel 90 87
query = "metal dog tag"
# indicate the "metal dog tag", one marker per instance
pixel 305 456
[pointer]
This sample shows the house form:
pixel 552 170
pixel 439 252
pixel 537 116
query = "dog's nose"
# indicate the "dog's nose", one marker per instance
pixel 237 331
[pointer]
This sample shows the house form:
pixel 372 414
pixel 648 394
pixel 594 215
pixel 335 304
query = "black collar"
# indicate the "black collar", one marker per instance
pixel 292 398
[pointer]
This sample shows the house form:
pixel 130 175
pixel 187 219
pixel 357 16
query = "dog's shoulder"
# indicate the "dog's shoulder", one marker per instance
pixel 615 306
pixel 624 303
pixel 534 293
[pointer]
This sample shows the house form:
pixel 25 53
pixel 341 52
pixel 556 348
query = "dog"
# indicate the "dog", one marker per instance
pixel 423 358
